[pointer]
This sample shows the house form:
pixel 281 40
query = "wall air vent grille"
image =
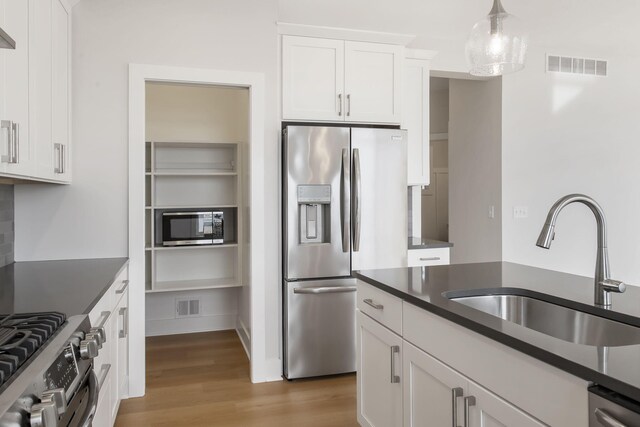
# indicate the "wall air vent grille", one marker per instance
pixel 187 308
pixel 585 66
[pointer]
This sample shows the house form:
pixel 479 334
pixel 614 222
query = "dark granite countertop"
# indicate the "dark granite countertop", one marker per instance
pixel 616 368
pixel 71 286
pixel 422 243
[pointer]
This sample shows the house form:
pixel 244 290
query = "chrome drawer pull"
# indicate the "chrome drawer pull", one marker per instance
pixel 395 379
pixel 455 394
pixel 124 312
pixel 103 375
pixel 325 290
pixel 375 305
pixel 433 258
pixel 468 402
pixel 125 284
pixel 606 419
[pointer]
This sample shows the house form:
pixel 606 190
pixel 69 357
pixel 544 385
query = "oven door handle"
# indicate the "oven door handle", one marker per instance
pixel 94 391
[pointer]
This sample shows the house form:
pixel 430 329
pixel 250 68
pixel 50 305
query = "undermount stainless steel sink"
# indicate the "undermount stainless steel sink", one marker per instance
pixel 555 320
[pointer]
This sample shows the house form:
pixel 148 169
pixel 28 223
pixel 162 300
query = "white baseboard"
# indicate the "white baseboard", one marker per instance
pixel 189 325
pixel 273 370
pixel 245 337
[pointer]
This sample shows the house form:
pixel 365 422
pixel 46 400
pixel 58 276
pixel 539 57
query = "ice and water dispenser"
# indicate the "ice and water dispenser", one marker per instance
pixel 314 212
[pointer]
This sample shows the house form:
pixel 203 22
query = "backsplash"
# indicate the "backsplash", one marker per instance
pixel 6 225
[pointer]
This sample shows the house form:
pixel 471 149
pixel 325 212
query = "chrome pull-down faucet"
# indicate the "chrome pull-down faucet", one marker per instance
pixel 604 285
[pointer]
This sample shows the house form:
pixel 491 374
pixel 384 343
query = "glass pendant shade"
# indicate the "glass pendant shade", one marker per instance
pixel 497 44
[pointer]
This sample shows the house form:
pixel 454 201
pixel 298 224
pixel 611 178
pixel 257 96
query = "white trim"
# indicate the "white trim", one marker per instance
pixel 285 28
pixel 243 334
pixel 438 136
pixel 420 54
pixel 189 325
pixel 139 74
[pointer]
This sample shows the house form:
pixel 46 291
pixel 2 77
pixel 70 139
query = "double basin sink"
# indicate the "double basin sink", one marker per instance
pixel 532 311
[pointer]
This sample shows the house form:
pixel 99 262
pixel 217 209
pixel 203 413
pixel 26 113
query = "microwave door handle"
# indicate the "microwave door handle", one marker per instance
pixel 344 197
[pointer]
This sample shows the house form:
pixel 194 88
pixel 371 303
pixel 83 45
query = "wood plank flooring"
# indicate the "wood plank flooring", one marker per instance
pixel 203 380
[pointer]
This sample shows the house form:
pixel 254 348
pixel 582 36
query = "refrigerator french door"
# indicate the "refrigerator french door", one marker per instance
pixel 344 209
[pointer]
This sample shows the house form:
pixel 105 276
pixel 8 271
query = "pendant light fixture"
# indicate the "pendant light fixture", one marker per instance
pixel 497 44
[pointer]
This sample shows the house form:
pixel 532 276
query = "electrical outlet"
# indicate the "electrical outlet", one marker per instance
pixel 520 212
pixel 492 212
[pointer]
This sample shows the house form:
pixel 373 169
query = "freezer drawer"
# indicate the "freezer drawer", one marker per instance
pixel 320 327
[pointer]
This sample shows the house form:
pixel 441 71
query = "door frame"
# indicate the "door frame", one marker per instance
pixel 139 75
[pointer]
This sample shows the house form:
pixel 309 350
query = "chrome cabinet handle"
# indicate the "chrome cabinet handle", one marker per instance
pixel 124 312
pixel 469 401
pixel 325 290
pixel 344 196
pixel 455 394
pixel 606 419
pixel 348 105
pixel 63 158
pixel 103 375
pixel 125 284
pixel 16 143
pixel 370 302
pixel 432 258
pixel 395 349
pixel 339 104
pixel 58 148
pixel 357 208
pixel 8 125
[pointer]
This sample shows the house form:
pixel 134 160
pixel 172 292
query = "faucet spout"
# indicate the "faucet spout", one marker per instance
pixel 603 284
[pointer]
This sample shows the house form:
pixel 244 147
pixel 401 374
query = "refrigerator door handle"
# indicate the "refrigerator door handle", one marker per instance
pixel 357 208
pixel 325 290
pixel 344 191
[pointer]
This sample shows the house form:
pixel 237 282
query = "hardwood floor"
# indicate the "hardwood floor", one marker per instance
pixel 203 380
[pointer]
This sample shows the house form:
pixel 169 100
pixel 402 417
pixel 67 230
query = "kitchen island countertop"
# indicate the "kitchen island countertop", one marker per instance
pixel 429 288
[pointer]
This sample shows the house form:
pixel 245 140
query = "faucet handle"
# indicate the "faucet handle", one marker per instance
pixel 610 285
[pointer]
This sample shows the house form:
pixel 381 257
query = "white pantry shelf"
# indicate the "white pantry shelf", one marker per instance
pixel 193 247
pixel 193 285
pixel 184 172
pixel 192 207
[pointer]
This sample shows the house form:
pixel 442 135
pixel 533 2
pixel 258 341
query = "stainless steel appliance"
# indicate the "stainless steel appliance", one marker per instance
pixel 344 208
pixel 192 228
pixel 46 370
pixel 609 409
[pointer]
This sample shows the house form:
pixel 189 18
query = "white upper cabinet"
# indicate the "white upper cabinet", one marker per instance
pixel 34 85
pixel 334 80
pixel 372 82
pixel 16 150
pixel 313 78
pixel 415 118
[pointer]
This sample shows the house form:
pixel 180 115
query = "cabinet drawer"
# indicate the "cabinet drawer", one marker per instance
pixel 380 306
pixel 427 257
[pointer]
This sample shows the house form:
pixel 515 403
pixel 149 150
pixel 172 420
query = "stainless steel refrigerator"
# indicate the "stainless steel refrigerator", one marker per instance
pixel 344 208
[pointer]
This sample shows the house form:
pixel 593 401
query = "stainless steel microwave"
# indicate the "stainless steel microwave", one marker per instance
pixel 192 228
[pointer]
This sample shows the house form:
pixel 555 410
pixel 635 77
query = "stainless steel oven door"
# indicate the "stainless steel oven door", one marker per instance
pixel 82 407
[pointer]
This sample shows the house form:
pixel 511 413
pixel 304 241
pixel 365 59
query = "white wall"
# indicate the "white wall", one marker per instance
pixel 567 134
pixel 475 109
pixel 89 218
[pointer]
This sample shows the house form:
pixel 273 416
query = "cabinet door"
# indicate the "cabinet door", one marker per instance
pixel 41 85
pixel 372 82
pixel 433 392
pixel 16 150
pixel 488 410
pixel 123 347
pixel 379 358
pixel 312 79
pixel 415 119
pixel 60 96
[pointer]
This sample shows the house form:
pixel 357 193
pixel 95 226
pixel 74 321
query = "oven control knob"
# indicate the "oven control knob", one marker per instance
pixel 58 397
pixel 97 337
pixel 44 414
pixel 89 348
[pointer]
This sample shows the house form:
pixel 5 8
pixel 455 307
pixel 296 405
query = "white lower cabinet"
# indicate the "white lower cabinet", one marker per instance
pixel 379 359
pixel 436 395
pixel 111 365
pixel 403 379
